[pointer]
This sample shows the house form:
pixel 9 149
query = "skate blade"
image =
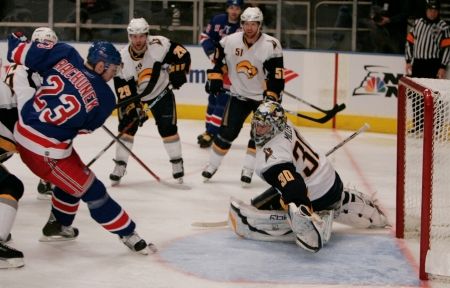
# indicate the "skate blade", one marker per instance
pixel 12 263
pixel 151 248
pixel 43 196
pixel 55 238
pixel 245 184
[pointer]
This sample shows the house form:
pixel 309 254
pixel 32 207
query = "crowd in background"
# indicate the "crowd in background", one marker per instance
pixel 329 27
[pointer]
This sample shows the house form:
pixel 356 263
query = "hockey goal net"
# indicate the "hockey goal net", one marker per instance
pixel 423 172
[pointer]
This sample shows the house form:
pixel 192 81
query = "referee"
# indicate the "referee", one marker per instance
pixel 427 53
pixel 427 48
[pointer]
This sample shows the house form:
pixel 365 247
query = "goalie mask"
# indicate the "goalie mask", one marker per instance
pixel 268 120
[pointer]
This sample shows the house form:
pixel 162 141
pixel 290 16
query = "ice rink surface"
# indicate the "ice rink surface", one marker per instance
pixel 209 257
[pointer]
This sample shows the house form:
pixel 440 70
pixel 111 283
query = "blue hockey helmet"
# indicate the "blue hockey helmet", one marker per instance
pixel 239 3
pixel 103 51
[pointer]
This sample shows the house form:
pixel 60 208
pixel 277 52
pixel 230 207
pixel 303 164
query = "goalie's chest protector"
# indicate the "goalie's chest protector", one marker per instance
pixel 291 147
pixel 245 64
pixel 141 69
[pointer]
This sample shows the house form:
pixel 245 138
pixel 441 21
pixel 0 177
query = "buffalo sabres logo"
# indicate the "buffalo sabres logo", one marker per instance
pixel 247 68
pixel 274 44
pixel 155 41
pixel 268 152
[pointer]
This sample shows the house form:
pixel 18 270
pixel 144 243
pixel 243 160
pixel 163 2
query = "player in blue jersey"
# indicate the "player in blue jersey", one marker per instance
pixel 74 99
pixel 219 26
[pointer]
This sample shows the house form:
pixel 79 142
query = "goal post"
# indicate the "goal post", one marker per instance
pixel 423 171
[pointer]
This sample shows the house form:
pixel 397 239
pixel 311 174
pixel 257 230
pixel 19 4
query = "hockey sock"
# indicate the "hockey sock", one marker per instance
pixel 172 145
pixel 64 206
pixel 107 212
pixel 8 211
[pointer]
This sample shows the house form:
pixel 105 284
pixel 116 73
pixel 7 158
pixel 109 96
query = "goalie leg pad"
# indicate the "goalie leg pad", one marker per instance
pixel 360 211
pixel 307 226
pixel 263 225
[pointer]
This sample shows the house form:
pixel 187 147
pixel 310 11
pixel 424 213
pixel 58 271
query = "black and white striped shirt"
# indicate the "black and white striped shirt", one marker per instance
pixel 428 40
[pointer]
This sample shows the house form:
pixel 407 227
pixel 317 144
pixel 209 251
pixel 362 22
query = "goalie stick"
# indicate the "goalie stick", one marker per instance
pixel 173 185
pixel 219 224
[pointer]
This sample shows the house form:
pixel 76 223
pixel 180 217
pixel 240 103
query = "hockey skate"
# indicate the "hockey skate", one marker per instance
pixel 205 139
pixel 10 257
pixel 54 231
pixel 118 173
pixel 137 244
pixel 246 177
pixel 44 190
pixel 208 172
pixel 8 238
pixel 177 169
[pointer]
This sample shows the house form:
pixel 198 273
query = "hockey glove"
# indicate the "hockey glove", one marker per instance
pixel 271 96
pixel 132 112
pixel 214 85
pixel 20 35
pixel 177 75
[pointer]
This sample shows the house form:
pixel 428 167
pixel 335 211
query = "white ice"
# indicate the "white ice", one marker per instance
pixel 164 215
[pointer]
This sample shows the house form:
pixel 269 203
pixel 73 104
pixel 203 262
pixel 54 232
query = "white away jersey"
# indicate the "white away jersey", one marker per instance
pixel 141 69
pixel 290 147
pixel 245 65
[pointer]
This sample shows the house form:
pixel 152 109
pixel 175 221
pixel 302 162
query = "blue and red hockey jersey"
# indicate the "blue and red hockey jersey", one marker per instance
pixel 72 99
pixel 217 28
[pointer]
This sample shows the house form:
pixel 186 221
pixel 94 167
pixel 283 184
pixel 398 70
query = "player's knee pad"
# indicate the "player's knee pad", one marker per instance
pixel 360 211
pixel 264 225
pixel 307 226
pixel 227 135
pixel 128 127
pixel 96 196
pixel 166 128
pixel 12 186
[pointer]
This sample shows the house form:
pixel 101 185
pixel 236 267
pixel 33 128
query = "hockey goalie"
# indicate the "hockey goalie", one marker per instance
pixel 306 193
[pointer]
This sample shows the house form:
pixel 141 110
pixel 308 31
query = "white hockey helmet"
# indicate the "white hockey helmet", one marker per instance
pixel 138 26
pixel 252 14
pixel 44 34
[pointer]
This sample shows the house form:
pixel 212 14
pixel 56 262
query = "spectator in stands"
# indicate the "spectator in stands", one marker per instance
pixel 388 25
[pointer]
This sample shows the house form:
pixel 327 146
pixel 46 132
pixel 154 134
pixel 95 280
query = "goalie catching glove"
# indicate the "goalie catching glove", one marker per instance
pixel 214 85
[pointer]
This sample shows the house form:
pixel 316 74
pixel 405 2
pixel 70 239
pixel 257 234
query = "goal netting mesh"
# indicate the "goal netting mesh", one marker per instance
pixel 423 170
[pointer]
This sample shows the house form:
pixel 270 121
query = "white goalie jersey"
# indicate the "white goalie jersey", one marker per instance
pixel 245 64
pixel 290 147
pixel 141 69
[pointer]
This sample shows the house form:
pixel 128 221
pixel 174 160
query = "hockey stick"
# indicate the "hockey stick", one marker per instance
pixel 306 102
pixel 342 143
pixel 112 142
pixel 176 186
pixel 150 86
pixel 156 100
pixel 328 115
pixel 331 151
